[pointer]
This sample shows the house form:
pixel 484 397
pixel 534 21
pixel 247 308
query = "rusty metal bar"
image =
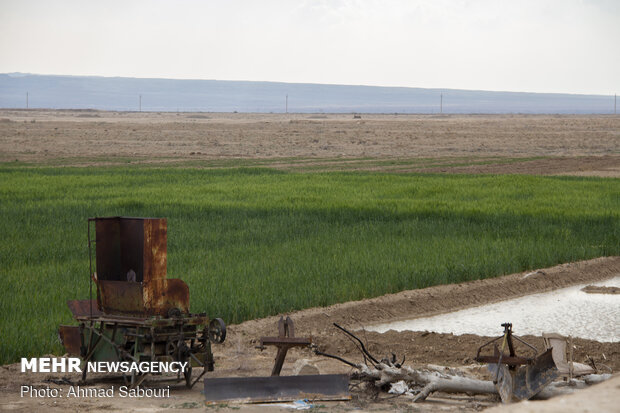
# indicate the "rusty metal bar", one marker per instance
pixel 280 356
pixel 294 341
pixel 510 360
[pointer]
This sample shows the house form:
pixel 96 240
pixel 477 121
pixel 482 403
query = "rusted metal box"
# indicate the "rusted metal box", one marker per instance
pixel 131 260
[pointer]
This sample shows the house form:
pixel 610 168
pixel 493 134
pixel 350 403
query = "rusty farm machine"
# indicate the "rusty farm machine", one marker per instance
pixel 139 315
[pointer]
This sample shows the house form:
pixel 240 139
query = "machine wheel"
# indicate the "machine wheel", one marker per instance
pixel 172 348
pixel 217 331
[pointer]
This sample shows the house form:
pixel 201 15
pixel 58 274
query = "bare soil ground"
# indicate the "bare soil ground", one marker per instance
pixel 534 144
pixel 529 144
pixel 239 357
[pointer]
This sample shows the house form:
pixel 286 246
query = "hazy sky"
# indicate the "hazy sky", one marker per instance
pixel 568 46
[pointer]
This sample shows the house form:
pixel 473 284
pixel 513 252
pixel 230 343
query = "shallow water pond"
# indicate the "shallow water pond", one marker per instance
pixel 567 311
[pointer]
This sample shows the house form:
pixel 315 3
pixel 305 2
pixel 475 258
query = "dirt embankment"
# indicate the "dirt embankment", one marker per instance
pixel 443 298
pixel 422 347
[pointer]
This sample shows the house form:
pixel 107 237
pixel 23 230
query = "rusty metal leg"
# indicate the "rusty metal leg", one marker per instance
pixel 277 367
pixel 91 346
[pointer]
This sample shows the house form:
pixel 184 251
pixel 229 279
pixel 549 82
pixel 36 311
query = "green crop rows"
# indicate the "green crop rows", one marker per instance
pixel 254 242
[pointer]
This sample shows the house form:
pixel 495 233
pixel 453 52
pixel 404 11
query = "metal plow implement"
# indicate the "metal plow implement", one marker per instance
pixel 517 378
pixel 139 315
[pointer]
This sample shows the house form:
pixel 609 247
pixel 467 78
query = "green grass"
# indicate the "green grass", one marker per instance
pixel 254 242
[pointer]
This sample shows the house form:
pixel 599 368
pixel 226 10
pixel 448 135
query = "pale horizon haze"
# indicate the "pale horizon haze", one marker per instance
pixel 554 46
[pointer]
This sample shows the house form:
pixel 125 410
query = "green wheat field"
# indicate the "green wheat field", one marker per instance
pixel 252 242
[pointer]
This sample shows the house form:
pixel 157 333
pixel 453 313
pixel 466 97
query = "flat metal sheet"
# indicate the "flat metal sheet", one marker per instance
pixel 504 383
pixel 71 339
pixel 121 297
pixel 319 387
pixel 82 308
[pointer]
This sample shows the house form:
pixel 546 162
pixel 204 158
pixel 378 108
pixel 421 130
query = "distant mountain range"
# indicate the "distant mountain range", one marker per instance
pixel 132 94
